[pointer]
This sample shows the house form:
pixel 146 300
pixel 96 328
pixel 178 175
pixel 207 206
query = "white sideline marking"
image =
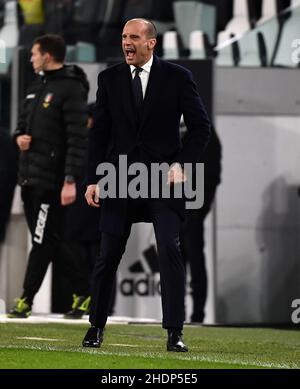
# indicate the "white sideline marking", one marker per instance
pixel 132 345
pixel 33 338
pixel 124 345
pixel 59 318
pixel 174 356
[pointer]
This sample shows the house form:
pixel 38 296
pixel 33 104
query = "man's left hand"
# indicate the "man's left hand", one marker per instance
pixel 176 174
pixel 68 193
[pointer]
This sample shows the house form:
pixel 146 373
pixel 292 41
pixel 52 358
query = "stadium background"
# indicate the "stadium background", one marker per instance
pixel 252 234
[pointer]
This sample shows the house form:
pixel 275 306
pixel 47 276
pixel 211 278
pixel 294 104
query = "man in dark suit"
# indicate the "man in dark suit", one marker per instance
pixel 137 114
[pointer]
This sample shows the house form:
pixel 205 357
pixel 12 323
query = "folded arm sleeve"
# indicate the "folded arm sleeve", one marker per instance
pixel 22 121
pixel 75 119
pixel 99 134
pixel 196 120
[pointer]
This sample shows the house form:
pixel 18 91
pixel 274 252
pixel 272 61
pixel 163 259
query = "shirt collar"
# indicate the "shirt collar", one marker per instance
pixel 146 67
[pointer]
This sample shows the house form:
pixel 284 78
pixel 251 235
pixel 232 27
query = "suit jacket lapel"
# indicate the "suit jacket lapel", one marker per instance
pixel 154 85
pixel 125 79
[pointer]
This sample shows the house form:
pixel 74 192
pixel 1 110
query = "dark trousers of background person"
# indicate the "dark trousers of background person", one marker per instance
pixel 44 216
pixel 82 237
pixel 193 245
pixel 166 223
pixel 85 253
pixel 8 178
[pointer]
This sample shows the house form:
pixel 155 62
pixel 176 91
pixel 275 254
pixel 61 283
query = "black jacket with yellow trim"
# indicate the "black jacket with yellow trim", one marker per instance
pixel 54 113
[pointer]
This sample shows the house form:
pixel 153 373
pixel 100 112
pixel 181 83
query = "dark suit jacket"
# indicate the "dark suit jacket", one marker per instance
pixel 170 93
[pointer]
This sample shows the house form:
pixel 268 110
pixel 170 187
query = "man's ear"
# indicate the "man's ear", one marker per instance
pixel 151 44
pixel 48 57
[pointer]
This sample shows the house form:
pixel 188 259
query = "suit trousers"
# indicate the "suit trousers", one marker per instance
pixel 166 223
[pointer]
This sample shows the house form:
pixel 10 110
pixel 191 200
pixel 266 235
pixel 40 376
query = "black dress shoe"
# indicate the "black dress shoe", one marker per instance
pixel 175 342
pixel 93 337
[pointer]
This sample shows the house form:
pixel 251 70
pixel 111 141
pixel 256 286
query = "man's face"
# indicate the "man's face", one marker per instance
pixel 137 47
pixel 38 60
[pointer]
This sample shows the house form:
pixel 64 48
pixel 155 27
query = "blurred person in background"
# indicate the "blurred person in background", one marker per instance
pixel 193 231
pixel 52 137
pixel 82 235
pixel 38 17
pixel 8 178
pixel 31 21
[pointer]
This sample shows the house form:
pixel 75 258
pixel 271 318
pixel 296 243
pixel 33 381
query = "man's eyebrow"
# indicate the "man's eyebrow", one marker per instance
pixel 131 35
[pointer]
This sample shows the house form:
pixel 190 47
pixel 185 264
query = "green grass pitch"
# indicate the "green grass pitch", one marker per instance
pixel 58 346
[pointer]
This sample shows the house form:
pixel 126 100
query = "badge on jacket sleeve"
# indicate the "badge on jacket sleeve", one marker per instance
pixel 47 100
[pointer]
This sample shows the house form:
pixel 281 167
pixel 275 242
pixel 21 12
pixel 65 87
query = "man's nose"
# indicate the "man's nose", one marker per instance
pixel 126 41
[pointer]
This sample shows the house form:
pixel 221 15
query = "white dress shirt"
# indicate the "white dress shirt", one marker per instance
pixel 144 75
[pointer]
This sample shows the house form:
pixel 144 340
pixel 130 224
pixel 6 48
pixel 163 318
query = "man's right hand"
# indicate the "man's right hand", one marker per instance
pixel 23 141
pixel 92 196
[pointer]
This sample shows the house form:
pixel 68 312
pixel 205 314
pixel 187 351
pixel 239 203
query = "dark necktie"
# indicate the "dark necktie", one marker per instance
pixel 137 89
